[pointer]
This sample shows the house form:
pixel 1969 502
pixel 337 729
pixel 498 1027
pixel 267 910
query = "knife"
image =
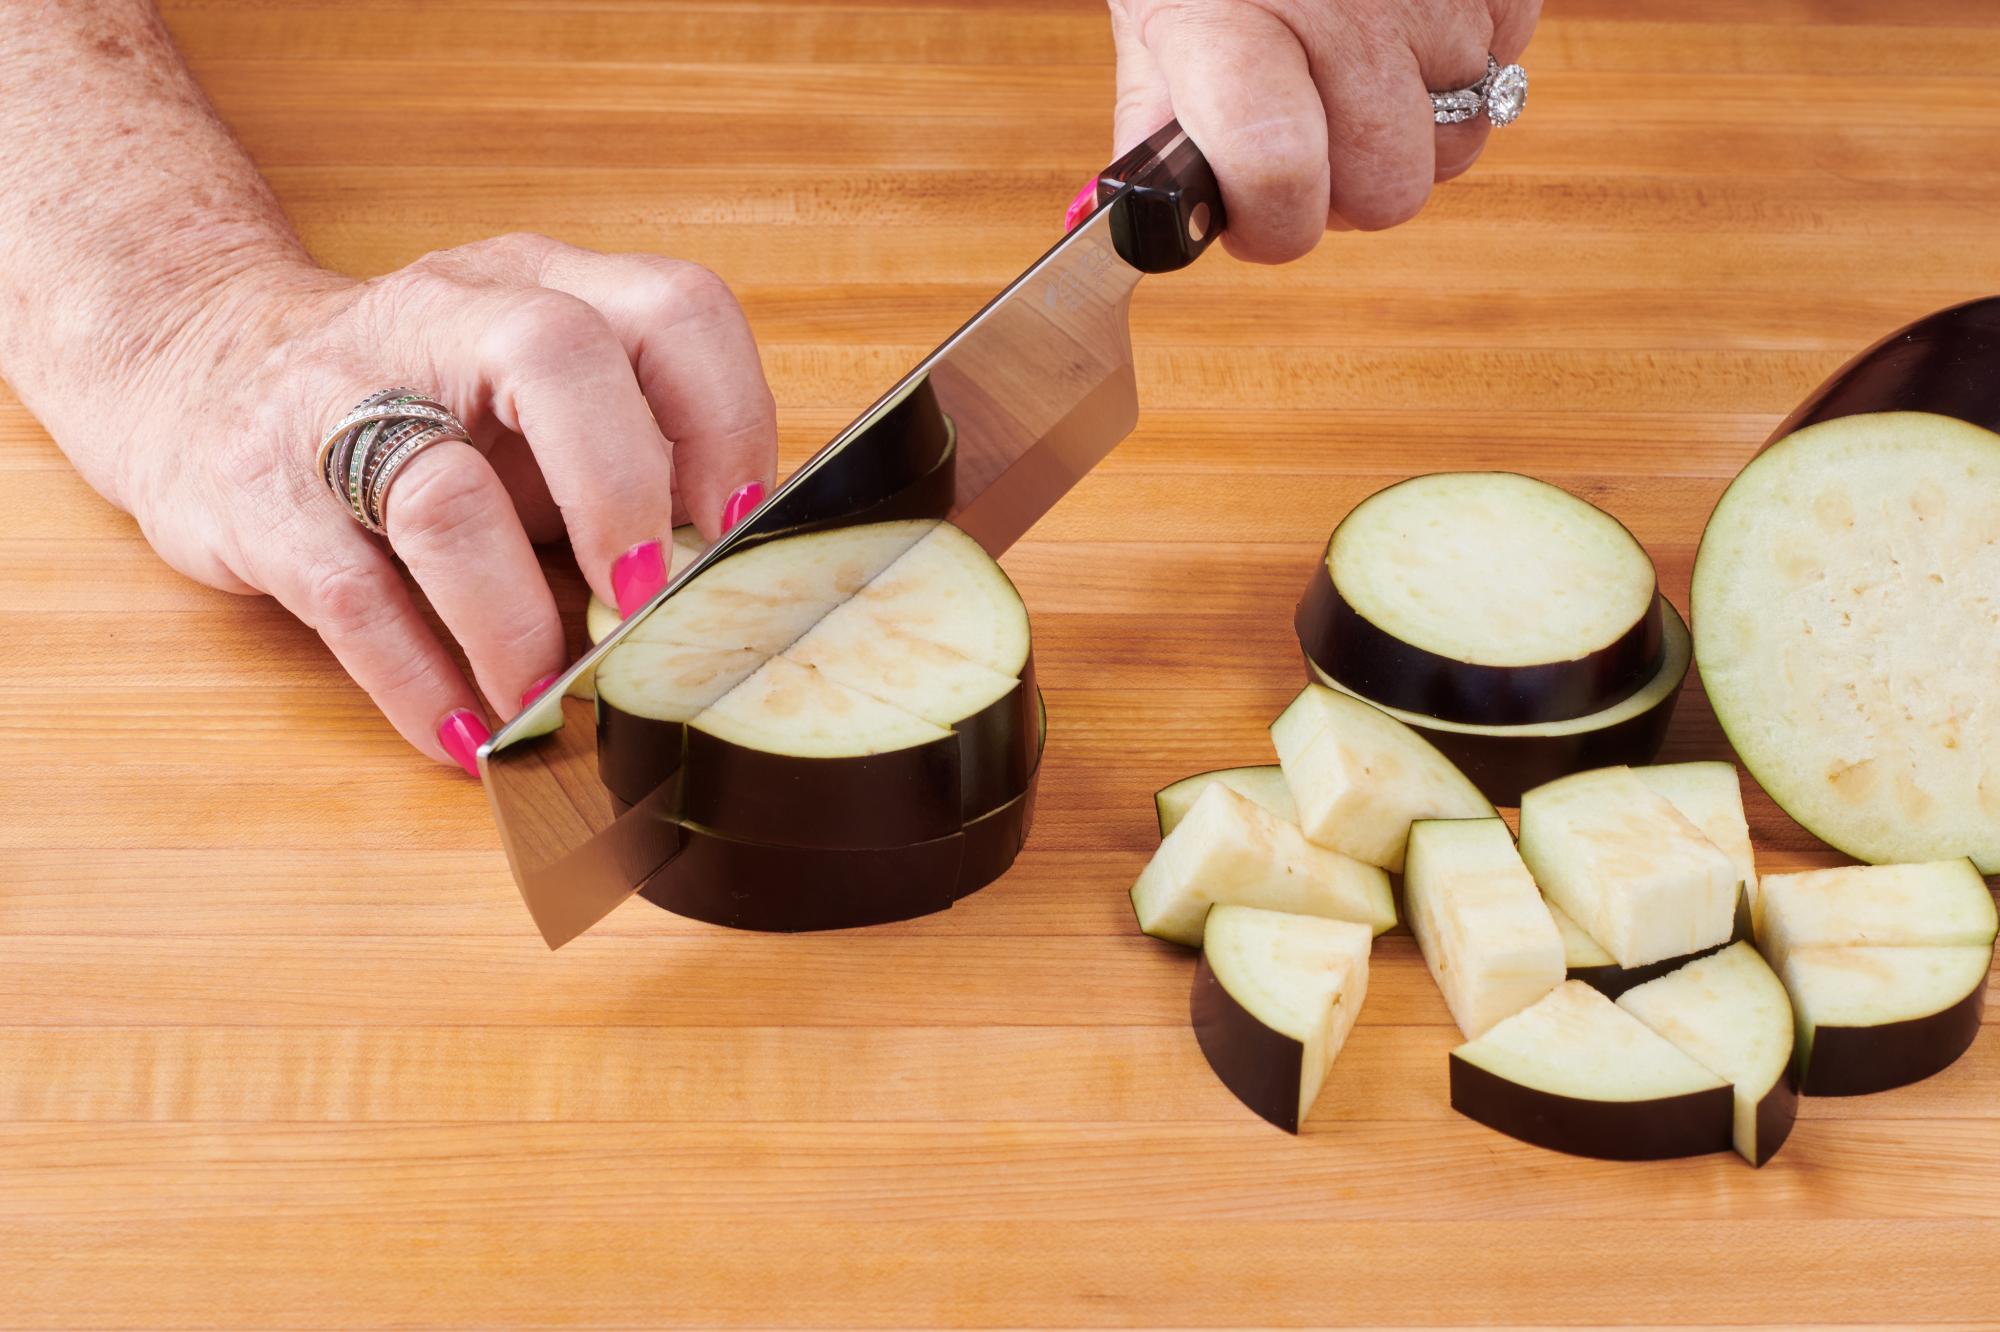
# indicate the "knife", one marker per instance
pixel 1028 395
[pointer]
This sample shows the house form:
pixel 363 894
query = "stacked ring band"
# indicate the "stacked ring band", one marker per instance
pixel 362 455
pixel 1500 94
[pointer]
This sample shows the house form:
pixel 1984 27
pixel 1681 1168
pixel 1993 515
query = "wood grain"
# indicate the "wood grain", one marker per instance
pixel 279 1046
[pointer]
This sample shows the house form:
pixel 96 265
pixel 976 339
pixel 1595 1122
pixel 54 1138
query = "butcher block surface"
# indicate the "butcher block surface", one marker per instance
pixel 280 1047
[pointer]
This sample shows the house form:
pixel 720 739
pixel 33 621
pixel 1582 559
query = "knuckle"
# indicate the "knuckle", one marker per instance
pixel 434 504
pixel 687 292
pixel 346 600
pixel 548 326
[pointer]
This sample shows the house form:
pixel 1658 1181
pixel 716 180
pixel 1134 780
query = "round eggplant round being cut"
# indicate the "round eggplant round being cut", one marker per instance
pixel 848 719
pixel 1484 597
pixel 1847 621
pixel 1505 761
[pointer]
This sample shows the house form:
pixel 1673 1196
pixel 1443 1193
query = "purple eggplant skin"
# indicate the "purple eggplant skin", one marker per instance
pixel 1504 766
pixel 1377 665
pixel 1260 1066
pixel 636 755
pixel 751 885
pixel 1776 1114
pixel 1691 1125
pixel 1943 363
pixel 1853 1061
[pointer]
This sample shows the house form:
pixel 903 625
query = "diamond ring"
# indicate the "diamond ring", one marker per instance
pixel 1501 94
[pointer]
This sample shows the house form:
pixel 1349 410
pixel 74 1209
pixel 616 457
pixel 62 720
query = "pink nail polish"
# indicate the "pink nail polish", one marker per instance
pixel 462 733
pixel 638 575
pixel 539 687
pixel 1080 207
pixel 740 502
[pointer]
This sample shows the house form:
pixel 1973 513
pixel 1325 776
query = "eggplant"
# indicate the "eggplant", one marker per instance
pixel 1628 867
pixel 1941 904
pixel 1584 959
pixel 1578 1074
pixel 1265 785
pixel 1484 931
pixel 1709 795
pixel 1870 1019
pixel 1843 599
pixel 1504 761
pixel 1275 996
pixel 1231 850
pixel 1360 778
pixel 1483 597
pixel 601 617
pixel 1730 1014
pixel 862 722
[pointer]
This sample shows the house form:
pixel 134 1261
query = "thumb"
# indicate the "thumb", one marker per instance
pixel 1143 104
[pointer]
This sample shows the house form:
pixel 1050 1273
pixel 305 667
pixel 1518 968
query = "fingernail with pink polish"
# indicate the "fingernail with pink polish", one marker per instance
pixel 539 687
pixel 740 502
pixel 638 576
pixel 462 733
pixel 1080 207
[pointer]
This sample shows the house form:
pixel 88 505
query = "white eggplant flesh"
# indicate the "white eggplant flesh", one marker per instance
pixel 1485 934
pixel 1264 784
pixel 1940 904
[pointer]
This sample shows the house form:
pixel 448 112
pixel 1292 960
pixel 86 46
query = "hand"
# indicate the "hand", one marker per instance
pixel 1313 113
pixel 610 395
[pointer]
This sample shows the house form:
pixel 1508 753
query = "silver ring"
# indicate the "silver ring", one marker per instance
pixel 366 448
pixel 1500 94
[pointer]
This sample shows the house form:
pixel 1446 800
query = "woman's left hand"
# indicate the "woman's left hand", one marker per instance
pixel 1313 113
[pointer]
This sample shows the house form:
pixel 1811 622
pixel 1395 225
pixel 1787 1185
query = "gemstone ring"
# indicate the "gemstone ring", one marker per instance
pixel 1501 94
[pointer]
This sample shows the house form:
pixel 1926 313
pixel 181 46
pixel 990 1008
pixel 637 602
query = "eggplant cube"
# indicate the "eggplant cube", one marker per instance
pixel 1627 866
pixel 1710 795
pixel 1944 903
pixel 1729 1013
pixel 1230 850
pixel 1360 778
pixel 1265 785
pixel 1578 1074
pixel 1274 999
pixel 1485 934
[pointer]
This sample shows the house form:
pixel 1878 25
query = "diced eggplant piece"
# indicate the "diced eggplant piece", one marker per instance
pixel 1231 851
pixel 1729 1013
pixel 1586 960
pixel 1941 904
pixel 1844 599
pixel 1265 785
pixel 1485 934
pixel 1710 795
pixel 1360 778
pixel 1275 996
pixel 1504 761
pixel 1874 1018
pixel 1578 1074
pixel 1628 867
pixel 1483 597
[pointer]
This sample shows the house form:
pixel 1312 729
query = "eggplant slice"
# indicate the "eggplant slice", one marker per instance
pixel 1275 996
pixel 1870 1019
pixel 1483 597
pixel 1846 597
pixel 808 726
pixel 1578 1074
pixel 1730 1014
pixel 1504 761
pixel 1941 904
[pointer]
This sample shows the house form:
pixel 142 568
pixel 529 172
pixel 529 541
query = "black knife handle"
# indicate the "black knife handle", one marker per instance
pixel 1173 210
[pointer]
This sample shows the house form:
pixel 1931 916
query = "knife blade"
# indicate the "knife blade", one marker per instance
pixel 997 424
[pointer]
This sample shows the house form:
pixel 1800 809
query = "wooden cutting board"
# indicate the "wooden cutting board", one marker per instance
pixel 279 1046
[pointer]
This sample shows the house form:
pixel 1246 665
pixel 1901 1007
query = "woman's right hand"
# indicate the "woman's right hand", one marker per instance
pixel 609 396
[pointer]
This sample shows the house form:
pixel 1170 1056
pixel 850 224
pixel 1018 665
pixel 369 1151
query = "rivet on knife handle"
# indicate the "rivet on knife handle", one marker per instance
pixel 1173 210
